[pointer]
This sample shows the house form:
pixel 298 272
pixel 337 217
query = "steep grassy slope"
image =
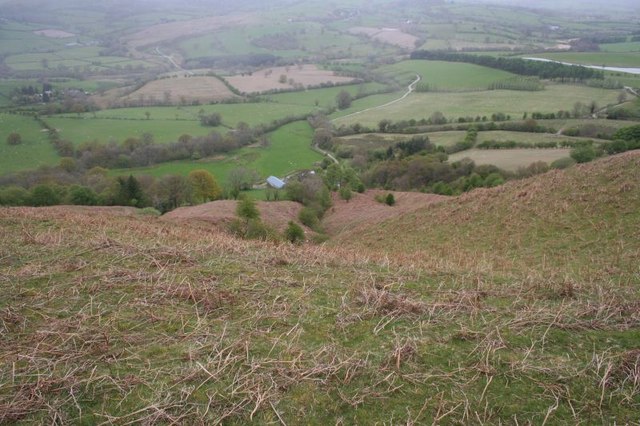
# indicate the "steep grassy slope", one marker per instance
pixel 113 317
pixel 584 221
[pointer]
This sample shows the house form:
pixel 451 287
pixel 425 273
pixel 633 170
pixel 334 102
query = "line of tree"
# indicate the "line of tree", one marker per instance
pixel 542 69
pixel 511 144
pixel 49 186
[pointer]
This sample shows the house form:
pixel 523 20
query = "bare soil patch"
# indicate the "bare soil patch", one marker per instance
pixel 54 33
pixel 172 30
pixel 388 35
pixel 220 213
pixel 363 211
pixel 184 90
pixel 294 77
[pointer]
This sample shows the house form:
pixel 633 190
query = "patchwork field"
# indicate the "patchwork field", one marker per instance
pixel 289 77
pixel 511 159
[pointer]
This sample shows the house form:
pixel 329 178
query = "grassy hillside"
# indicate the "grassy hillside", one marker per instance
pixel 582 221
pixel 121 318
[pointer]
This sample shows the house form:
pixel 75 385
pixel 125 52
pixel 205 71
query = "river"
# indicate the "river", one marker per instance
pixel 595 67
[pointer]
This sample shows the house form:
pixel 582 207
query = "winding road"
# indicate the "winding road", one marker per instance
pixel 410 90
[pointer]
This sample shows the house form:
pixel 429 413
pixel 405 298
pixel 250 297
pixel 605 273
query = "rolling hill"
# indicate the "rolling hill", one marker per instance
pixel 513 304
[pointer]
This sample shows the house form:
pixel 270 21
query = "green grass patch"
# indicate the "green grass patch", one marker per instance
pixel 78 130
pixel 35 149
pixel 633 46
pixel 440 75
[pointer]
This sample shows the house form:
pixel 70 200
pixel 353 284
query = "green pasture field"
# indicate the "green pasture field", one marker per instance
pixel 238 41
pixel 20 38
pixel 289 150
pixel 450 138
pixel 501 135
pixel 310 37
pixel 484 103
pixel 447 75
pixel 511 159
pixel 632 46
pixel 34 151
pixel 79 130
pixel 187 117
pixel 359 105
pixel 626 79
pixel 69 57
pixel 325 97
pixel 609 125
pixel 611 59
pixel 374 141
pixel 496 14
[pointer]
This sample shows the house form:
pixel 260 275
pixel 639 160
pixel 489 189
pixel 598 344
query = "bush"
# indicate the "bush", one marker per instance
pixel 390 200
pixel 616 147
pixel 14 196
pixel 150 211
pixel 212 120
pixel 345 193
pixel 343 99
pixel 44 195
pixel 493 179
pixel 82 196
pixel 246 209
pixel 14 139
pixel 583 154
pixel 442 188
pixel 563 163
pixel 309 217
pixel 257 230
pixel 294 233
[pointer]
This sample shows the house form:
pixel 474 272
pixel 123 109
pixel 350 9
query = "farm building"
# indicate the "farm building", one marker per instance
pixel 275 183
